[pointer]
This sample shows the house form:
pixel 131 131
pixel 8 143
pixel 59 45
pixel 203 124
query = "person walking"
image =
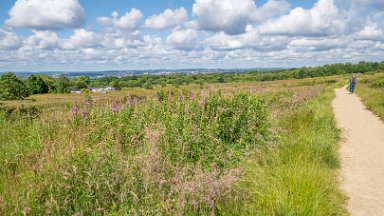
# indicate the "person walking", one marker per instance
pixel 352 84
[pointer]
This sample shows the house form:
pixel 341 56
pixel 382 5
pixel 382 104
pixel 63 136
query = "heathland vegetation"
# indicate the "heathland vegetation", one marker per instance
pixel 246 147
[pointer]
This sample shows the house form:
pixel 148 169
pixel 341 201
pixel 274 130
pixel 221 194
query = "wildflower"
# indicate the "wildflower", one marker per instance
pixel 88 103
pixel 52 117
pixel 122 106
pixel 84 113
pixel 114 106
pixel 74 110
pixel 203 101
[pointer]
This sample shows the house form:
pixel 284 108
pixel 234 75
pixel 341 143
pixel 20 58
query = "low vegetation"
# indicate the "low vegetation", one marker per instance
pixel 190 150
pixel 371 90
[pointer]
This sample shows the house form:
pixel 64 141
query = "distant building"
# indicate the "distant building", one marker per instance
pixel 103 90
pixel 76 92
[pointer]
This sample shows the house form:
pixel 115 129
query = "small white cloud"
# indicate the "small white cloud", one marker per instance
pixel 167 19
pixel 129 21
pixel 42 40
pixel 371 32
pixel 46 15
pixel 230 16
pixel 305 44
pixel 271 9
pixel 80 39
pixel 185 39
pixel 9 40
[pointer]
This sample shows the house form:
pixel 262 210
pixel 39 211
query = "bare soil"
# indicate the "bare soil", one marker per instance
pixel 362 154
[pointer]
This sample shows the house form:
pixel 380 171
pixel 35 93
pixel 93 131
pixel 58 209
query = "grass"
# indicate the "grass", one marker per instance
pixel 299 175
pixel 270 149
pixel 371 90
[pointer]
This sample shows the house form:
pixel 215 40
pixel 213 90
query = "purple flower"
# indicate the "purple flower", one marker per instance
pixel 122 106
pixel 74 110
pixel 114 106
pixel 52 117
pixel 88 103
pixel 203 101
pixel 84 113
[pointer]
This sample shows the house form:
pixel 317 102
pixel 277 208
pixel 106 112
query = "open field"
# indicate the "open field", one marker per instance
pixel 255 148
pixel 371 90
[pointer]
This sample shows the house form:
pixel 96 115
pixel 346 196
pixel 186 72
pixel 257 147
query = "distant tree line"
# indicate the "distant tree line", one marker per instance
pixel 12 87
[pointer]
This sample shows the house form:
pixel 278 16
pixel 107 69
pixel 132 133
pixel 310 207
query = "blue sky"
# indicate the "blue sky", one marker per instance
pixel 72 35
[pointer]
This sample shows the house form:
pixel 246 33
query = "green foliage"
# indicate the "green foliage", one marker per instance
pixel 12 88
pixel 62 84
pixel 36 85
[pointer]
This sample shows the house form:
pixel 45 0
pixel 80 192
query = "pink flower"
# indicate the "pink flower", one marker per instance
pixel 74 110
pixel 114 106
pixel 84 113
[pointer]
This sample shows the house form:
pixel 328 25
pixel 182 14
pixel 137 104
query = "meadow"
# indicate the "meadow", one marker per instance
pixel 250 148
pixel 371 89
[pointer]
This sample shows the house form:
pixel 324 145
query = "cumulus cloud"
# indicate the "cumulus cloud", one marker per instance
pixel 271 9
pixel 130 21
pixel 185 39
pixel 9 40
pixel 322 20
pixel 81 39
pixel 42 40
pixel 46 15
pixel 167 19
pixel 371 32
pixel 305 44
pixel 230 16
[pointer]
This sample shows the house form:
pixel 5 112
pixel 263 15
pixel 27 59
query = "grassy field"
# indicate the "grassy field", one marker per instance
pixel 371 90
pixel 257 148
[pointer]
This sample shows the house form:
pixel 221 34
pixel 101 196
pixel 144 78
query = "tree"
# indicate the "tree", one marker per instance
pixel 62 84
pixel 115 84
pixel 36 85
pixel 12 88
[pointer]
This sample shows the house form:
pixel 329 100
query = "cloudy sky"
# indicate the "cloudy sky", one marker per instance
pixel 69 35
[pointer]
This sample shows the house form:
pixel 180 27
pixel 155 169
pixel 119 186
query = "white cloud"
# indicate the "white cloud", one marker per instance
pixel 305 44
pixel 9 40
pixel 322 20
pixel 371 32
pixel 46 15
pixel 185 39
pixel 42 40
pixel 130 21
pixel 270 10
pixel 167 19
pixel 81 39
pixel 230 16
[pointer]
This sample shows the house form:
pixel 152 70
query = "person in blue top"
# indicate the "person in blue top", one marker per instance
pixel 352 84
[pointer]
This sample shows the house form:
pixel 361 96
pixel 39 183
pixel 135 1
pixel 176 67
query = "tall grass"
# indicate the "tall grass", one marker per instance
pixel 371 91
pixel 177 155
pixel 299 175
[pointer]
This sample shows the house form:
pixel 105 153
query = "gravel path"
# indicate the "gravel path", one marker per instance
pixel 362 154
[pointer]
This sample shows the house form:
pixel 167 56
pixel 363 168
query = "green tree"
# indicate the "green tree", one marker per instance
pixel 36 85
pixel 12 88
pixel 115 84
pixel 62 84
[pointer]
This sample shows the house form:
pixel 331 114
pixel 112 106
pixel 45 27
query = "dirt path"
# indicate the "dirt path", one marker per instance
pixel 362 154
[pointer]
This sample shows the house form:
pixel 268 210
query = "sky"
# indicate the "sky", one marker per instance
pixel 93 35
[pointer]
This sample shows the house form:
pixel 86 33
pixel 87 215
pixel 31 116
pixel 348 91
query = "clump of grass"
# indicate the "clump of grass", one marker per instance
pixel 299 175
pixel 371 91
